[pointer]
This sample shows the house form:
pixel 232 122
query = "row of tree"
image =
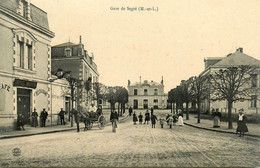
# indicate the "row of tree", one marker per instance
pixel 231 84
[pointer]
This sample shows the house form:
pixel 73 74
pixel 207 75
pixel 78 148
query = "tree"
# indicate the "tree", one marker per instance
pixel 200 91
pixel 186 93
pixel 173 98
pixel 110 96
pixel 122 98
pixel 231 84
pixel 99 91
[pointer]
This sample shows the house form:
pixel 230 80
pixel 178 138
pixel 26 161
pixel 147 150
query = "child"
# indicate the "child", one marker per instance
pixel 162 122
pixel 134 118
pixel 140 118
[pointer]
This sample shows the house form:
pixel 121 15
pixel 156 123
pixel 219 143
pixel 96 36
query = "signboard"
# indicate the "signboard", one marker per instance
pixel 25 83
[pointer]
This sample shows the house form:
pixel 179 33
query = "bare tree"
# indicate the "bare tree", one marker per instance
pixel 200 91
pixel 231 84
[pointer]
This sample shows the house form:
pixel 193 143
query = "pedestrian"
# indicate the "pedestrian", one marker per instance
pixel 130 110
pixel 170 121
pixel 43 116
pixel 180 118
pixel 61 115
pixel 34 118
pixel 135 118
pixel 153 120
pixel 167 119
pixel 162 121
pixel 76 116
pixel 113 120
pixel 147 117
pixel 20 121
pixel 216 119
pixel 140 118
pixel 241 124
pixel 99 110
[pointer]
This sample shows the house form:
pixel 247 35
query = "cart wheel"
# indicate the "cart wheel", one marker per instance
pixel 101 122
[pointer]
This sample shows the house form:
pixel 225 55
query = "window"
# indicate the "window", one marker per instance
pixel 145 104
pixel 253 101
pixel 135 91
pixel 254 80
pixel 20 50
pixel 155 91
pixel 68 52
pixel 29 52
pixel 145 91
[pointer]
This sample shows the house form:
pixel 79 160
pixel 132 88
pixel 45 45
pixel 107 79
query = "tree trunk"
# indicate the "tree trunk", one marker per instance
pixel 111 106
pixel 187 111
pixel 198 112
pixel 118 108
pixel 171 108
pixel 72 102
pixel 229 114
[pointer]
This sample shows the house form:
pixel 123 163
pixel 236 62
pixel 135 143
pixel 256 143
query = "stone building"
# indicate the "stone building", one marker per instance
pixel 74 58
pixel 25 66
pixel 213 64
pixel 145 95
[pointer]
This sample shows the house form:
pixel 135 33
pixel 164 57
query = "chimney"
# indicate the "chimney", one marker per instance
pixel 240 49
pixel 162 80
pixel 80 42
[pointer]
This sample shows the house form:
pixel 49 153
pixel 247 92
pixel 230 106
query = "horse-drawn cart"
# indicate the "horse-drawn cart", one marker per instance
pixel 91 117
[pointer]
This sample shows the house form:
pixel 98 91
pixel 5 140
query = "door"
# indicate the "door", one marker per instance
pixel 145 104
pixel 24 104
pixel 135 104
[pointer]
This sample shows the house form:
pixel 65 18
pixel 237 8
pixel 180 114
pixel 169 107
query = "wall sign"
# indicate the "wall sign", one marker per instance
pixel 25 83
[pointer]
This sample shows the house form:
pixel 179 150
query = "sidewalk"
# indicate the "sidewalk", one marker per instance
pixel 29 131
pixel 254 129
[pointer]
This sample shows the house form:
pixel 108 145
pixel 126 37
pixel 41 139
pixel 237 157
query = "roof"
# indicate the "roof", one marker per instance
pixel 152 83
pixel 236 59
pixel 65 44
pixel 38 16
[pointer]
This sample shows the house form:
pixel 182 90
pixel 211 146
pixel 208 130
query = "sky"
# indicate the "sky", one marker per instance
pixel 171 42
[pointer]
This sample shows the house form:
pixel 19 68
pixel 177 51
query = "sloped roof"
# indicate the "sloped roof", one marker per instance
pixel 236 59
pixel 65 44
pixel 152 83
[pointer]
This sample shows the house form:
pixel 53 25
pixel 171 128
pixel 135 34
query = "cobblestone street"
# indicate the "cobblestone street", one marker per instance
pixel 132 145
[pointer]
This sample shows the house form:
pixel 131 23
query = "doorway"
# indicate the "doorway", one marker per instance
pixel 145 104
pixel 24 104
pixel 135 104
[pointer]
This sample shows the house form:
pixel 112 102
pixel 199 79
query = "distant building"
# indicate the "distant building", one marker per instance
pixel 74 58
pixel 25 66
pixel 146 95
pixel 232 60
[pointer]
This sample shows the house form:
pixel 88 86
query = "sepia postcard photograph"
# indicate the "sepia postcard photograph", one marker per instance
pixel 129 83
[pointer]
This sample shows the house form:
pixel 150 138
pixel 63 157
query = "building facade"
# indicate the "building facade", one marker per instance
pixel 75 59
pixel 25 68
pixel 235 59
pixel 145 95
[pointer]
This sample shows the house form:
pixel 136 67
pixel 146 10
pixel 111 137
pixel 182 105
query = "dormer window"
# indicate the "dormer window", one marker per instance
pixel 24 9
pixel 68 52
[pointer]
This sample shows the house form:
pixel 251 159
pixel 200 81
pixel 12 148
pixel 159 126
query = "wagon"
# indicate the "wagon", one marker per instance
pixel 89 118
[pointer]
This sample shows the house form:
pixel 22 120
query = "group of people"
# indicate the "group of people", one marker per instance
pixel 241 121
pixel 170 119
pixel 21 121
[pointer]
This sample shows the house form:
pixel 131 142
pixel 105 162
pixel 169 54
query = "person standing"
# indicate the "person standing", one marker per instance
pixel 216 119
pixel 130 110
pixel 241 124
pixel 61 115
pixel 43 117
pixel 76 116
pixel 153 120
pixel 34 118
pixel 135 118
pixel 170 121
pixel 147 117
pixel 113 120
pixel 162 122
pixel 180 118
pixel 140 118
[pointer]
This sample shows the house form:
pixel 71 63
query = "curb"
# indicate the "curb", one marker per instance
pixel 228 132
pixel 48 132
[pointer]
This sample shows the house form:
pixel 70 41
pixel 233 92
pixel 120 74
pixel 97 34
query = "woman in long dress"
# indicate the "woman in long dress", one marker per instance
pixel 241 124
pixel 135 118
pixel 140 118
pixel 180 118
pixel 34 118
pixel 216 119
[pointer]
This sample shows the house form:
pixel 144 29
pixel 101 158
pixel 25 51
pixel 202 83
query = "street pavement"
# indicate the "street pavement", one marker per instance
pixel 132 146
